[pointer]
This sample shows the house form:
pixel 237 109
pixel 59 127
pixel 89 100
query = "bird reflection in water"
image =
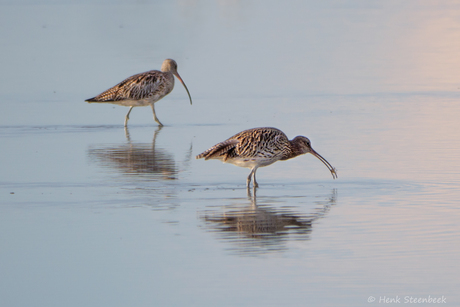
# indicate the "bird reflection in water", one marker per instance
pixel 259 229
pixel 144 160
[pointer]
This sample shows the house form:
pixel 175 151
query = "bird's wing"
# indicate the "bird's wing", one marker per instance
pixel 264 142
pixel 136 87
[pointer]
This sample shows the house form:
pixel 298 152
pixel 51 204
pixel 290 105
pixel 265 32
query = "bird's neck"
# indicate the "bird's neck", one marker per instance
pixel 294 151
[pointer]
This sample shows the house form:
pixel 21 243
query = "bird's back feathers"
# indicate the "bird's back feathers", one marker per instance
pixel 139 86
pixel 264 143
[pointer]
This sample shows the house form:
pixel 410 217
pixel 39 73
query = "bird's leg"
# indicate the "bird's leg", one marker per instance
pixel 248 181
pixel 127 134
pixel 127 116
pixel 254 182
pixel 253 175
pixel 155 116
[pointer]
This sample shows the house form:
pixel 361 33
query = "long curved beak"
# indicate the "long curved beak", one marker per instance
pixel 329 166
pixel 180 79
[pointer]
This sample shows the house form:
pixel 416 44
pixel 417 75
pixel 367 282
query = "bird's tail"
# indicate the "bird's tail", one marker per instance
pixel 219 151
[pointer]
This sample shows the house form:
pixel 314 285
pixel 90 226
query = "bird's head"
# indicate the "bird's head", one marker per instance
pixel 302 145
pixel 169 65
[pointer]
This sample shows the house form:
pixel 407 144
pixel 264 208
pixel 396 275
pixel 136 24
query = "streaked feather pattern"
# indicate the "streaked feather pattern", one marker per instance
pixel 268 143
pixel 143 89
pixel 141 86
pixel 260 147
pixel 220 151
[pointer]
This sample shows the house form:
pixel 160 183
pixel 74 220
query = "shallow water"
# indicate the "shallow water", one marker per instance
pixel 92 214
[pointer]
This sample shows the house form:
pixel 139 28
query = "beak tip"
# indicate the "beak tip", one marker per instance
pixel 334 173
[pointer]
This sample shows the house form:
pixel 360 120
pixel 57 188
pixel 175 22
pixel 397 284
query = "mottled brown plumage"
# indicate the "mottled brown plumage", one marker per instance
pixel 143 89
pixel 258 147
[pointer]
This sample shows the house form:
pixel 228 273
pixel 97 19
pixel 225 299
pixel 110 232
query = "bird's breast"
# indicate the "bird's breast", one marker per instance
pixel 250 162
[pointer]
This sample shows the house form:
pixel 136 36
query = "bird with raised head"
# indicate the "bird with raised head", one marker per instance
pixel 143 89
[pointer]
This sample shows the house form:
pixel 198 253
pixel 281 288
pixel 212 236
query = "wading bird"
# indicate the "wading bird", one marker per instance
pixel 143 89
pixel 258 147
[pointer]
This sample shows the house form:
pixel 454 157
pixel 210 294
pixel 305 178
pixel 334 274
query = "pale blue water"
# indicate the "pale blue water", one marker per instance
pixel 93 215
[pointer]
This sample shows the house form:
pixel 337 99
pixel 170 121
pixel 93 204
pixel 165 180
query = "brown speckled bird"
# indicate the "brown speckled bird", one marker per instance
pixel 143 89
pixel 254 148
